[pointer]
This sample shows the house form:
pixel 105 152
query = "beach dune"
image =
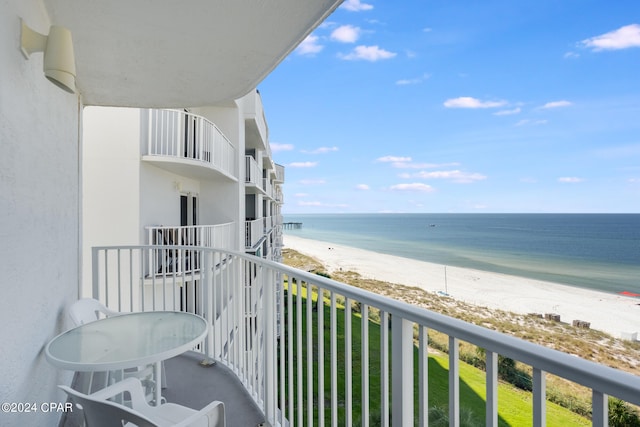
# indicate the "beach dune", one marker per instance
pixel 615 314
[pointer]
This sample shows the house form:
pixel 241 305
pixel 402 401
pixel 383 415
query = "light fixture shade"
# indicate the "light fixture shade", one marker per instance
pixel 59 61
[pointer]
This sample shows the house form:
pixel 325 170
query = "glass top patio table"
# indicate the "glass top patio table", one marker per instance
pixel 126 341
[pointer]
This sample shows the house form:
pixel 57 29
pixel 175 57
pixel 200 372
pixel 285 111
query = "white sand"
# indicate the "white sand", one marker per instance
pixel 611 313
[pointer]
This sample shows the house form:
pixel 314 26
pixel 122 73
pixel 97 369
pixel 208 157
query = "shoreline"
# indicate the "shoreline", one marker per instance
pixel 615 314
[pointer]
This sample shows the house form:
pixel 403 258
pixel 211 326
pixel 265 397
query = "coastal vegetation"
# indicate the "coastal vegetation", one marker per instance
pixel 516 377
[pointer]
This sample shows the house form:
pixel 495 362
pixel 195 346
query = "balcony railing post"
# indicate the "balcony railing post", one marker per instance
pixel 600 409
pixel 384 368
pixel 539 398
pixel 95 270
pixel 401 372
pixel 208 292
pixel 270 359
pixel 364 342
pixel 423 376
pixel 491 363
pixel 454 382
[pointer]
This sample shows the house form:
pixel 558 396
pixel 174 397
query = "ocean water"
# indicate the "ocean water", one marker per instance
pixel 597 251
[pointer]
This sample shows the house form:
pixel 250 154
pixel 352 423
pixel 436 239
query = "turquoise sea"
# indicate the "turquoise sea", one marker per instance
pixel 597 251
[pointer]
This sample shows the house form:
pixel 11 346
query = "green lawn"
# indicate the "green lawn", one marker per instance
pixel 514 404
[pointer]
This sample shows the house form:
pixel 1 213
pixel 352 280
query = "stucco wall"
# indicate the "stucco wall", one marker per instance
pixel 160 198
pixel 111 191
pixel 227 200
pixel 39 217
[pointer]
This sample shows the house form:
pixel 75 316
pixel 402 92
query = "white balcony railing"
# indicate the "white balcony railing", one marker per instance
pixel 266 186
pixel 210 236
pixel 253 173
pixel 279 173
pixel 187 136
pixel 253 231
pixel 254 114
pixel 264 330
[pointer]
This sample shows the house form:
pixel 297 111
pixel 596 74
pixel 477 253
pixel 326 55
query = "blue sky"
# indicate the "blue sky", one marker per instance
pixel 462 106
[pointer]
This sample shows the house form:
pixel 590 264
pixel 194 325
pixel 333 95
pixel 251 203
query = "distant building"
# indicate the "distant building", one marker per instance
pixel 200 177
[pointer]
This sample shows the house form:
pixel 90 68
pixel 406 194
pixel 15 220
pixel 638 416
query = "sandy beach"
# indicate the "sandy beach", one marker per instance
pixel 615 314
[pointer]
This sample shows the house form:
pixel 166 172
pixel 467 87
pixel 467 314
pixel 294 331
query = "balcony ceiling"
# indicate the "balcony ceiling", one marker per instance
pixel 147 53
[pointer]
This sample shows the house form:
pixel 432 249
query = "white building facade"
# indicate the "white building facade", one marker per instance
pixel 198 176
pixel 125 56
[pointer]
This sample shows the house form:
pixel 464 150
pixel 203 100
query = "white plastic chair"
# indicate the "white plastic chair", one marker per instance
pixel 87 310
pixel 101 412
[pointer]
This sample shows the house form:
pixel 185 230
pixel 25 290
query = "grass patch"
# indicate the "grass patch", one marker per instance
pixel 514 405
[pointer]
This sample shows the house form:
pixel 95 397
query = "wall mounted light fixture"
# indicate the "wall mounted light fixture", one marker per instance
pixel 59 62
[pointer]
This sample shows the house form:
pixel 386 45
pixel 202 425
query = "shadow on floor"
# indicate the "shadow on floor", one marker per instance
pixel 193 385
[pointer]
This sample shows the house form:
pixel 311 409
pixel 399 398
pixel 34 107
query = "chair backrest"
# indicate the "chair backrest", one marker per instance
pixel 88 310
pixel 104 413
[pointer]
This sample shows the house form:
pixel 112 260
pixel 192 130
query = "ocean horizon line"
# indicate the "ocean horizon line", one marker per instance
pixel 595 251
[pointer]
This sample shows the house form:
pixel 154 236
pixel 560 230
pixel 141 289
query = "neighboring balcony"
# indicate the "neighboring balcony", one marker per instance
pixel 268 188
pixel 258 229
pixel 299 346
pixel 254 231
pixel 183 258
pixel 279 179
pixel 256 128
pixel 254 183
pixel 189 145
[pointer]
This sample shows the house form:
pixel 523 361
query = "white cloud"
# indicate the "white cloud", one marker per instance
pixel 309 204
pixel 356 6
pixel 362 187
pixel 312 181
pixel 416 186
pixel 570 179
pixel 367 53
pixel 407 165
pixel 507 112
pixel 327 24
pixel 571 55
pixel 321 150
pixel 469 102
pixel 403 82
pixel 622 38
pixel 309 46
pixel 346 34
pixel 453 175
pixel 280 147
pixel 556 104
pixel 390 159
pixel 303 164
pixel 530 122
pixel 414 81
pixel 427 30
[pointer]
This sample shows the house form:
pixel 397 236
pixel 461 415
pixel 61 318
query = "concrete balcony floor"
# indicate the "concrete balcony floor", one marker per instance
pixel 193 385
